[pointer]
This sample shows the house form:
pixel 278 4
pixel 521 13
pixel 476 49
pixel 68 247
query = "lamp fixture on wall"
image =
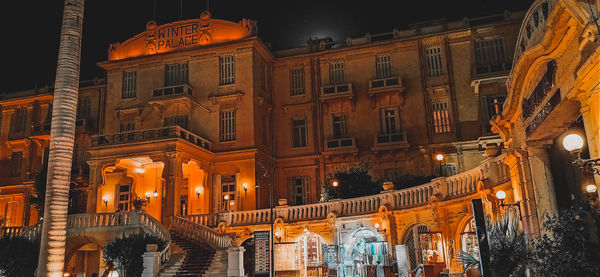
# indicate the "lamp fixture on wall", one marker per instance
pixel 147 194
pixel 501 195
pixel 105 200
pixel 198 191
pixel 574 144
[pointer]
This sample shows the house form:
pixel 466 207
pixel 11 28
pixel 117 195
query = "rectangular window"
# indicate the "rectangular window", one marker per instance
pixel 298 187
pixel 227 125
pixel 16 159
pixel 181 121
pixel 176 74
pixel 228 192
pixel 383 66
pixel 434 61
pixel 83 107
pixel 299 136
pixel 336 73
pixel 490 51
pixel 389 121
pixel 340 126
pixel 124 197
pixel 129 84
pixel 441 115
pixel 227 70
pixel 126 126
pixel 20 119
pixel 297 81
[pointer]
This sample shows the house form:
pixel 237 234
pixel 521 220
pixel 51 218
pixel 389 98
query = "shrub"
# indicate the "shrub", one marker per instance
pixel 18 256
pixel 126 253
pixel 568 246
pixel 353 182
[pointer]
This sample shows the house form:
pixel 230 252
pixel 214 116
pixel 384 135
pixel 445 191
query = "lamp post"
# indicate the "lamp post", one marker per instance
pixel 501 195
pixel 440 158
pixel 574 144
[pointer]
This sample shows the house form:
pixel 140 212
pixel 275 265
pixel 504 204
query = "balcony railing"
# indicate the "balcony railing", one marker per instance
pixel 149 135
pixel 390 138
pixel 334 91
pixel 177 90
pixel 493 68
pixel 385 83
pixel 340 143
pixel 493 170
pixel 40 129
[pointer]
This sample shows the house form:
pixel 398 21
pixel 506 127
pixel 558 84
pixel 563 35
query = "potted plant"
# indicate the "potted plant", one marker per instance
pixel 139 203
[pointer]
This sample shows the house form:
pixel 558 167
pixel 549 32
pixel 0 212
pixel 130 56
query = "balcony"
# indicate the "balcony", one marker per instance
pixel 150 135
pixel 41 130
pixel 384 87
pixel 340 146
pixel 390 142
pixel 334 93
pixel 171 95
pixel 482 69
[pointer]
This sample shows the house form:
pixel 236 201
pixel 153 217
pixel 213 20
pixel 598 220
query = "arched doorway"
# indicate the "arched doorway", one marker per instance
pixel 468 239
pixel 412 240
pixel 362 250
pixel 248 256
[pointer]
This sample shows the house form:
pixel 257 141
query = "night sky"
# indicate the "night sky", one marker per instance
pixel 31 29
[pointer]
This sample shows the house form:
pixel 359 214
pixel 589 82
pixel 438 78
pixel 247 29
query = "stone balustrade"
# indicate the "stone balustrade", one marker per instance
pixel 492 170
pixel 102 222
pixel 10 231
pixel 201 233
pixel 149 135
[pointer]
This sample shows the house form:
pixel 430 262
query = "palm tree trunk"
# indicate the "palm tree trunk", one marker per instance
pixel 62 134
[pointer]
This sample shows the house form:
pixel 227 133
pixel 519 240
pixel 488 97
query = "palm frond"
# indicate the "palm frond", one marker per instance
pixel 467 260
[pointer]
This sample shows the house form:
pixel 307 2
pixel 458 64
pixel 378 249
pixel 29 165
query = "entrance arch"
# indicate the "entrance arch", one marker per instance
pixel 361 248
pixel 309 255
pixel 413 243
pixel 248 245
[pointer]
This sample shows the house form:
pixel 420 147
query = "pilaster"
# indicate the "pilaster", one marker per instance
pixel 541 177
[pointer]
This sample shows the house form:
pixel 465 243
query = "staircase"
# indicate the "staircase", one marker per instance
pixel 193 258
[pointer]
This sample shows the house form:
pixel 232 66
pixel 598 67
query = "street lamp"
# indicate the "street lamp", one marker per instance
pixel 574 144
pixel 501 195
pixel 440 157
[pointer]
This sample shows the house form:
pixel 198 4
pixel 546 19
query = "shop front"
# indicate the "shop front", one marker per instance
pixel 361 251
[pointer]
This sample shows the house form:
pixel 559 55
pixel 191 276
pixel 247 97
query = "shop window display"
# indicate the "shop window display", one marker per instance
pixel 362 253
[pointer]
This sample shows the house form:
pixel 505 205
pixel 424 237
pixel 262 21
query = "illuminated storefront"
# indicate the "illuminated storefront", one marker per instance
pixel 361 251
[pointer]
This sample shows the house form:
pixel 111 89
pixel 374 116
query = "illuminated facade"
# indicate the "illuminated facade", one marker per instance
pixel 552 92
pixel 200 117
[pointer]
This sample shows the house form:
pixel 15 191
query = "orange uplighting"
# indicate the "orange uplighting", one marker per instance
pixel 181 34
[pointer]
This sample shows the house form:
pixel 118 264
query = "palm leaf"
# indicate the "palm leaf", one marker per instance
pixel 467 260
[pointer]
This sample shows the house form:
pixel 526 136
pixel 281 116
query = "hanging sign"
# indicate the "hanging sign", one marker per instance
pixel 262 253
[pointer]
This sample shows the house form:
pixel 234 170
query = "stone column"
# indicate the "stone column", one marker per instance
pixel 172 176
pixel 590 112
pixel 94 181
pixel 151 260
pixel 235 261
pixel 541 176
pixel 523 189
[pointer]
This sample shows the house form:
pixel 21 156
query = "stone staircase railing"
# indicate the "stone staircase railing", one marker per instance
pixel 492 170
pixel 102 222
pixel 11 231
pixel 201 233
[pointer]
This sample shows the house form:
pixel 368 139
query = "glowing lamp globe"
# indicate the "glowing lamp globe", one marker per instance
pixel 439 157
pixel 155 194
pixel 335 184
pixel 591 188
pixel 147 194
pixel 573 142
pixel 501 195
pixel 377 226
